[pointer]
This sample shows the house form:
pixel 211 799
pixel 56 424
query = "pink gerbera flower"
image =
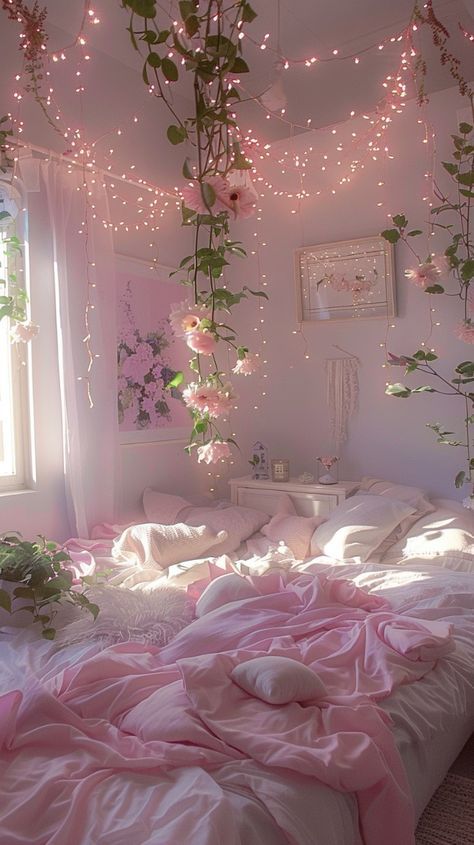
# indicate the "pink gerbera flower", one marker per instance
pixel 209 399
pixel 246 366
pixel 424 275
pixel 214 451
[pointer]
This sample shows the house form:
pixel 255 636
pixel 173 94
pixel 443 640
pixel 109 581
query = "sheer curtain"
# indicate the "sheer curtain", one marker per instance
pixel 84 271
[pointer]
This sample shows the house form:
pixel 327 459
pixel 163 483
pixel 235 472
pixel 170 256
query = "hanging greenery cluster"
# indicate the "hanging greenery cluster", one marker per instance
pixel 451 274
pixel 207 43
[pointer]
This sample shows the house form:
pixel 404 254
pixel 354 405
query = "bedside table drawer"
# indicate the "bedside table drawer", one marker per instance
pixel 307 499
pixel 269 501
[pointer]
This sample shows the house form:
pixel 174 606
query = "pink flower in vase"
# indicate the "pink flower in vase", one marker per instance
pixel 328 461
pixel 214 451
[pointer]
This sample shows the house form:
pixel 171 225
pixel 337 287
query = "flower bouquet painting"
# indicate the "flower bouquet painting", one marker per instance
pixel 147 360
pixel 328 469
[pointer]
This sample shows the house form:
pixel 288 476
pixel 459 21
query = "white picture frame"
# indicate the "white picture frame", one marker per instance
pixel 345 280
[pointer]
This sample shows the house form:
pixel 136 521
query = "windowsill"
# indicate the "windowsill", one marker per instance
pixel 24 491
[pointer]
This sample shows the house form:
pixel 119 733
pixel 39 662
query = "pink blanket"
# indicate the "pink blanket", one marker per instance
pixel 125 741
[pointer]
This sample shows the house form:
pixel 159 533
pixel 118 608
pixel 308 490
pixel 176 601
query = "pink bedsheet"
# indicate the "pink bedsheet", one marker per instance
pixel 133 724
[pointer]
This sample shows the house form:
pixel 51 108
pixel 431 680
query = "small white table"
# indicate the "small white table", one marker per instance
pixel 308 499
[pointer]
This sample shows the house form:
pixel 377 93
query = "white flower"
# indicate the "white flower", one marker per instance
pixel 213 451
pixel 22 332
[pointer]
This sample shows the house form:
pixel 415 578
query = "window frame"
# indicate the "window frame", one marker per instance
pixel 18 364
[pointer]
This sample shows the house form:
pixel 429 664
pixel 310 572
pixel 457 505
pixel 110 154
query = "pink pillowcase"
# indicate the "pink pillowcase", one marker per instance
pixel 294 531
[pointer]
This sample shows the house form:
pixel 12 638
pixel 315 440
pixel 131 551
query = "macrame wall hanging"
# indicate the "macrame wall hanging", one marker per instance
pixel 342 379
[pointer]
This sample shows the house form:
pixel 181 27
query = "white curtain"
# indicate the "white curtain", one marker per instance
pixel 90 434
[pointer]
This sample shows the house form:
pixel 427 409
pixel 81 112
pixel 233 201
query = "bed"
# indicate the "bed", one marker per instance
pixel 339 737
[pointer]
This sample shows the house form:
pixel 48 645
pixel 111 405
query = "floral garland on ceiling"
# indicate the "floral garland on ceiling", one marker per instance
pixel 208 42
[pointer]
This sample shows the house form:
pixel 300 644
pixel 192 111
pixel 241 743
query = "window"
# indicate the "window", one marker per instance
pixel 13 359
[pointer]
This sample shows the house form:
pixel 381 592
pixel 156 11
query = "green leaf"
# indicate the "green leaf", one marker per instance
pixel 391 235
pixel 94 609
pixel 48 633
pixel 450 167
pixel 459 480
pixel 400 220
pixel 256 292
pixel 154 60
pixel 142 8
pixel 208 194
pixel 239 65
pixel 187 172
pixel 466 193
pixel 4 214
pixel 414 232
pixel 242 352
pixel 5 601
pixel 192 25
pixel 23 593
pixel 425 389
pixel 466 178
pixel 399 390
pixel 177 379
pixel 248 14
pixel 434 289
pixel 169 69
pixel 467 270
pixel 187 8
pixel 176 134
pixel 465 128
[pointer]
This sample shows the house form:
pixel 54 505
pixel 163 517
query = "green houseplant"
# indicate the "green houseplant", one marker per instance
pixel 34 579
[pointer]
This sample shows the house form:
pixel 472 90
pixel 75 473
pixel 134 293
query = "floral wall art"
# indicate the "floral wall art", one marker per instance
pixel 148 358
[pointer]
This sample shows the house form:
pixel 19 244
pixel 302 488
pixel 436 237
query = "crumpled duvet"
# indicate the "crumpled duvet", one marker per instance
pixel 126 744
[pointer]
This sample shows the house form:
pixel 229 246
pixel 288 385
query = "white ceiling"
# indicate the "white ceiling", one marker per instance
pixel 325 93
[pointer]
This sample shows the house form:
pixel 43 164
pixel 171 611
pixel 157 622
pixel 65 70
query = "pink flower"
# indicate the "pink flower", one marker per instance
pixel 204 343
pixel 246 366
pixel 209 399
pixel 328 460
pixel 240 200
pixel 465 331
pixel 214 451
pixel 424 275
pixel 185 317
pixel 24 331
pixel 193 198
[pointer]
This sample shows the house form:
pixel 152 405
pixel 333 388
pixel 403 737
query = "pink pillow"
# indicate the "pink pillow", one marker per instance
pixel 278 680
pixel 294 531
pixel 226 588
pixel 162 508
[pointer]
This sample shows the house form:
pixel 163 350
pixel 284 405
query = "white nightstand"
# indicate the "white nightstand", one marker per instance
pixel 308 499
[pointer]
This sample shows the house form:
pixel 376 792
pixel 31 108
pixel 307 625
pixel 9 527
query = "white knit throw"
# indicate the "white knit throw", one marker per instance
pixel 342 394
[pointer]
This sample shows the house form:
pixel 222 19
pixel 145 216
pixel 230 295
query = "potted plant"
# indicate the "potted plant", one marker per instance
pixel 33 580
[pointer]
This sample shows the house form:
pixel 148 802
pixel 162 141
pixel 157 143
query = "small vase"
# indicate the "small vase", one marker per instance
pixel 327 475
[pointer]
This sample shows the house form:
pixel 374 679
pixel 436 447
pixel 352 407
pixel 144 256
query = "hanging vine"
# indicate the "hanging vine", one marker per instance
pixel 207 43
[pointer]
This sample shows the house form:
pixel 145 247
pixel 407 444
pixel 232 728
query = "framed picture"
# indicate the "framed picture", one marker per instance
pixel 148 355
pixel 345 280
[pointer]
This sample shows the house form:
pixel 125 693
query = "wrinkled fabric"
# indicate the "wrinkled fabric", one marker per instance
pixel 126 744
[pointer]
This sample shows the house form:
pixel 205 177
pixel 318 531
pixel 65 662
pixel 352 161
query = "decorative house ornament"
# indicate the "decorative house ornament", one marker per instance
pixel 328 469
pixel 306 478
pixel 259 461
pixel 280 469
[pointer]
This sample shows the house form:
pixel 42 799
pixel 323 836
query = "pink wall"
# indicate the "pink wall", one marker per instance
pixel 388 436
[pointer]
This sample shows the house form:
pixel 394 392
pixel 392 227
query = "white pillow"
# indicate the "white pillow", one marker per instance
pixel 162 507
pixel 358 526
pixel 401 492
pixel 278 680
pixel 226 588
pixel 445 536
pixel 162 545
pixel 294 531
pixel 239 523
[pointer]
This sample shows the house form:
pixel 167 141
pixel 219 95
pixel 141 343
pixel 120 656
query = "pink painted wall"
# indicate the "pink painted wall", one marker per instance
pixel 388 436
